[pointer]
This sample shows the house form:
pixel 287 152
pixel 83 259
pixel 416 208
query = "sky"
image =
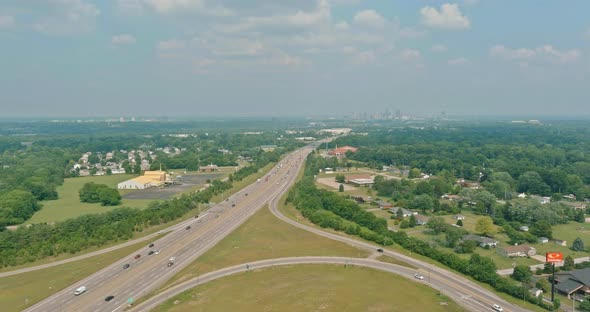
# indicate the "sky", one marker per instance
pixel 203 58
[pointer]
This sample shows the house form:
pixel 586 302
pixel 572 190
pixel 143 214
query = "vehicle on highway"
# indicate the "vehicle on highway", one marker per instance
pixel 80 290
pixel 157 252
pixel 380 250
pixel 419 276
pixel 246 194
pixel 151 245
pixel 109 298
pixel 151 253
pixel 126 266
pixel 497 308
pixel 188 227
pixel 137 256
pixel 172 258
pixel 170 264
pixel 196 216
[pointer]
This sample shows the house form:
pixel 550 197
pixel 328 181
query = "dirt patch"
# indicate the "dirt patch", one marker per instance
pixel 333 184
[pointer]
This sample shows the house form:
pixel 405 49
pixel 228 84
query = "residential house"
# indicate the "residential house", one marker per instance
pixel 384 204
pixel 362 182
pixel 341 151
pixel 543 240
pixel 573 282
pixel 483 241
pixel 208 168
pixel 517 251
pixel 575 205
pixel 405 213
pixel 521 195
pixel 421 220
pixel 560 242
pixel 452 197
pixel 524 228
pixel 541 199
pixel 459 217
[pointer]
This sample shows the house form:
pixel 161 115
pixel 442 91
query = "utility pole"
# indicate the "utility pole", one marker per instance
pixel 553 283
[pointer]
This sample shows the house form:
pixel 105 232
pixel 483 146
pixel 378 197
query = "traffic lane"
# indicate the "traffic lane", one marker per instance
pixel 387 267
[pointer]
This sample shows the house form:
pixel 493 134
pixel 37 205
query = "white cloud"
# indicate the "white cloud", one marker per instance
pixel 410 55
pixel 546 53
pixel 458 61
pixel 365 57
pixel 369 18
pixel 6 21
pixel 68 17
pixel 284 60
pixel 449 17
pixel 438 48
pixel 123 39
pixel 172 44
pixel 167 6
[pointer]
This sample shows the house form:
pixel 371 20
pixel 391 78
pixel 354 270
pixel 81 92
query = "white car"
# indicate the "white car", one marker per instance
pixel 157 252
pixel 172 258
pixel 497 308
pixel 419 276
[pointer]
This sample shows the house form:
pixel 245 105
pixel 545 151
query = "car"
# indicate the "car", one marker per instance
pixel 137 256
pixel 497 308
pixel 246 194
pixel 126 266
pixel 233 205
pixel 188 227
pixel 80 290
pixel 109 298
pixel 151 245
pixel 170 264
pixel 419 276
pixel 157 252
pixel 380 249
pixel 151 253
pixel 196 216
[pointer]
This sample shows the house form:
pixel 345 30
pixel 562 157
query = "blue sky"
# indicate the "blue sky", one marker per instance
pixel 284 57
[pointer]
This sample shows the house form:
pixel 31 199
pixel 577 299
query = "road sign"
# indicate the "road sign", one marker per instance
pixel 553 257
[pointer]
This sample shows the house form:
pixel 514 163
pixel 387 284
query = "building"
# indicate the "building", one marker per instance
pixel 483 241
pixel 361 182
pixel 208 168
pixel 421 220
pixel 405 213
pixel 268 148
pixel 147 180
pixel 524 228
pixel 573 282
pixel 543 240
pixel 341 151
pixel 517 251
pixel 459 217
pixel 384 204
pixel 560 242
pixel 575 205
pixel 351 177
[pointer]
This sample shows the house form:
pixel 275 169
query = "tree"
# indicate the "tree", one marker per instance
pixel 404 224
pixel 412 222
pixel 399 214
pixel 459 223
pixel 485 226
pixel 580 217
pixel 543 285
pixel 542 228
pixel 423 202
pixel 522 273
pixel 578 244
pixel 585 305
pixel 568 263
pixel 414 173
pixel 109 197
pixel 436 224
pixel 340 188
pixel 340 178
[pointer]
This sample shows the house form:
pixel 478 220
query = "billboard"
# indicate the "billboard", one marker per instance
pixel 553 257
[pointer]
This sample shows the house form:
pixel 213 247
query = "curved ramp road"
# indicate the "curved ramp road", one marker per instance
pixel 459 294
pixel 183 244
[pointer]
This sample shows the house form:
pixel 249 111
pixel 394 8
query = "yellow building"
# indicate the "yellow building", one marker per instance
pixel 147 180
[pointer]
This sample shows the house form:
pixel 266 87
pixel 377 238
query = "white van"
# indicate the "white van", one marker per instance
pixel 80 290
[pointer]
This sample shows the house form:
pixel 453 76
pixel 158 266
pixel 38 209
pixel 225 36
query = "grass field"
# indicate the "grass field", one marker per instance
pixel 69 206
pixel 311 288
pixel 23 290
pixel 264 237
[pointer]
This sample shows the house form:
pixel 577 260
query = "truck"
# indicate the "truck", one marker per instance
pixel 80 290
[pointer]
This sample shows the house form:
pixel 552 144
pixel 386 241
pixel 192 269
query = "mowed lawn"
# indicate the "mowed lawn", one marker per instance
pixel 20 291
pixel 69 206
pixel 311 288
pixel 263 236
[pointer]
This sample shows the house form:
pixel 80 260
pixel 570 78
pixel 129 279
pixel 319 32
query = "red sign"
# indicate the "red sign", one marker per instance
pixel 553 257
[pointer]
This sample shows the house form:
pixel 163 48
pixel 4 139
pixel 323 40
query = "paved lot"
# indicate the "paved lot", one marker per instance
pixel 188 182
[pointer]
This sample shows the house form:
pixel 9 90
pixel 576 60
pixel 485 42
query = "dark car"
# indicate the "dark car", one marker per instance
pixel 137 256
pixel 170 264
pixel 109 298
pixel 233 205
pixel 151 245
pixel 188 227
pixel 150 253
pixel 380 250
pixel 126 266
pixel 246 194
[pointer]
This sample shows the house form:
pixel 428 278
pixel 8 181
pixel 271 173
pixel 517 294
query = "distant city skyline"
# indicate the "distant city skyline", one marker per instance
pixel 200 58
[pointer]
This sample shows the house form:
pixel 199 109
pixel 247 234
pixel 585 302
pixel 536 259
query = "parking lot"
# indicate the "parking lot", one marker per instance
pixel 187 182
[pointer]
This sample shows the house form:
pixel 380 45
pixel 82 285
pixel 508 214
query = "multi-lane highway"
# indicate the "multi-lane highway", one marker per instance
pixel 185 244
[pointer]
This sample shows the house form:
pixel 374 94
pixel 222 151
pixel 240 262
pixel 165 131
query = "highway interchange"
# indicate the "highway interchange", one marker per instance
pixel 151 271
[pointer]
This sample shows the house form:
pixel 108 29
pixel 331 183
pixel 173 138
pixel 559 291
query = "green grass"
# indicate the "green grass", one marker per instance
pixel 311 288
pixel 23 290
pixel 69 206
pixel 264 237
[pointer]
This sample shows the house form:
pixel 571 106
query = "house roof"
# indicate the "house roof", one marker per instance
pixel 518 248
pixel 582 275
pixel 421 218
pixel 568 286
pixel 383 203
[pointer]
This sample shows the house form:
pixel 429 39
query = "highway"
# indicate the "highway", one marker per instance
pixel 148 272
pixel 458 294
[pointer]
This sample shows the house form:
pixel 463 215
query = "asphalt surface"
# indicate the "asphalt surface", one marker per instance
pixel 150 271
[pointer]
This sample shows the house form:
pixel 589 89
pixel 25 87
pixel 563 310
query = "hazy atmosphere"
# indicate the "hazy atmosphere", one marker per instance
pixel 278 57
